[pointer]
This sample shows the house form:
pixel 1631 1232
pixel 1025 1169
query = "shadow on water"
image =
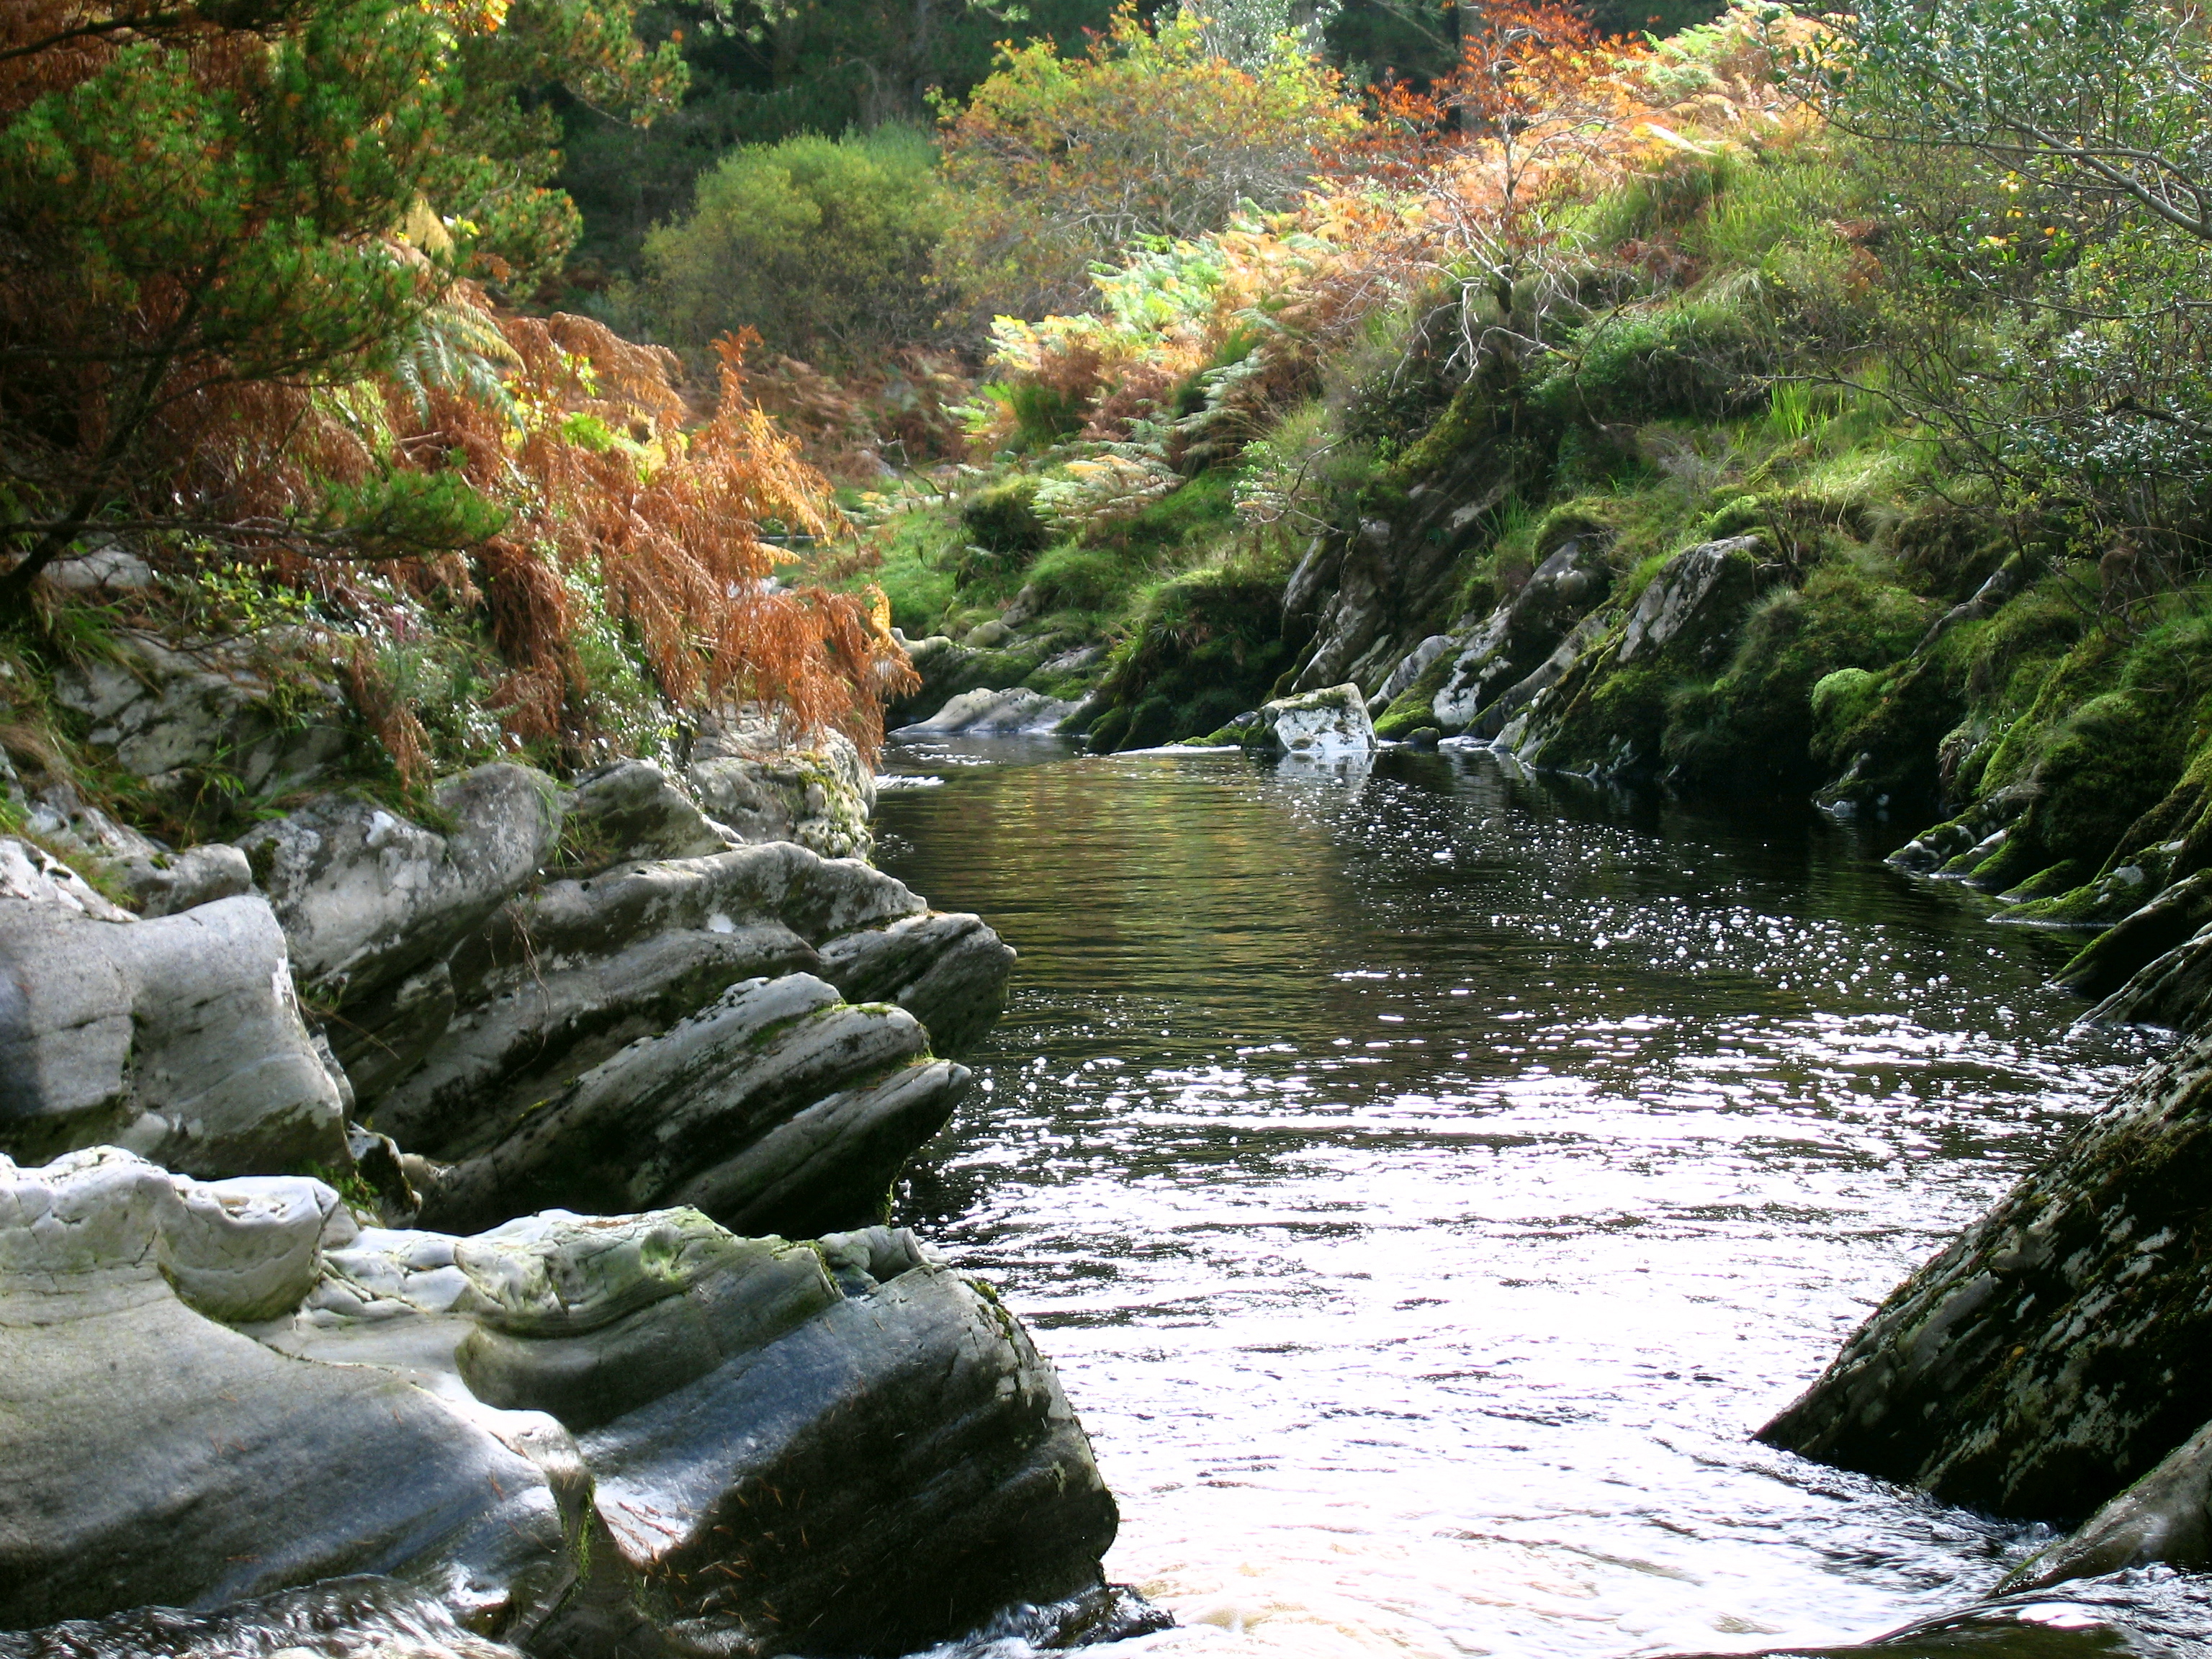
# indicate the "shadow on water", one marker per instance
pixel 1425 1177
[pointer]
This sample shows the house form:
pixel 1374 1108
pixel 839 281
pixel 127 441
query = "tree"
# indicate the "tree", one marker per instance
pixel 1063 161
pixel 822 245
pixel 2054 239
pixel 203 206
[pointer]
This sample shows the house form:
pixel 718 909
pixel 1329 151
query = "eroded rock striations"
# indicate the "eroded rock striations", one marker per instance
pixel 580 1435
pixel 2043 1361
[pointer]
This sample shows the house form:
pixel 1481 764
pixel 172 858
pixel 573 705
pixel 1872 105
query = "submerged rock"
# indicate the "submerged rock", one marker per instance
pixel 2039 1364
pixel 363 1617
pixel 179 1037
pixel 987 714
pixel 636 1435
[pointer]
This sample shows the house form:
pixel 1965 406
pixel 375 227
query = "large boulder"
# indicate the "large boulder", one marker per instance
pixel 179 1038
pixel 556 983
pixel 776 1107
pixel 367 897
pixel 183 714
pixel 630 810
pixel 2047 1358
pixel 949 971
pixel 835 1448
pixel 987 714
pixel 150 1454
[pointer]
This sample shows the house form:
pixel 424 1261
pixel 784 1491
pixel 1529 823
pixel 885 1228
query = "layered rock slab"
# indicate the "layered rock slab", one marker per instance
pixel 2042 1361
pixel 778 1100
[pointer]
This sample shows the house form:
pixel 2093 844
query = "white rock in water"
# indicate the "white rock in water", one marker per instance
pixel 1325 725
pixel 987 713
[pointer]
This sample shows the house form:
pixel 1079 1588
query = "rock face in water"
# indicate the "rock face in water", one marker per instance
pixel 1326 725
pixel 2039 1364
pixel 178 1037
pixel 835 1447
pixel 2165 1516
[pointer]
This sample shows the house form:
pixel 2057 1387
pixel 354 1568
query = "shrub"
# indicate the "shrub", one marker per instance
pixel 1698 358
pixel 826 245
pixel 1004 519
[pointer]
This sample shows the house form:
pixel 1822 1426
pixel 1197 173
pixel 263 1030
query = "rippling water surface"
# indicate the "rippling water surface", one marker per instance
pixel 1425 1179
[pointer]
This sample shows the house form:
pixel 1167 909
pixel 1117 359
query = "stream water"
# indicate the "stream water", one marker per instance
pixel 1426 1179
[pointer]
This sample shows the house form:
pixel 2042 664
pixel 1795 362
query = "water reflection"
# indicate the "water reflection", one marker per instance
pixel 1425 1178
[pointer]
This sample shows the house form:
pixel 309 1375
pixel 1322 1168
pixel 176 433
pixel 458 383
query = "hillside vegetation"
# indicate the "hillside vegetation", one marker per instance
pixel 1163 370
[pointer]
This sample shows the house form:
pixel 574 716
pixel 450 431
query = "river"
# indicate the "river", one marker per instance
pixel 1426 1179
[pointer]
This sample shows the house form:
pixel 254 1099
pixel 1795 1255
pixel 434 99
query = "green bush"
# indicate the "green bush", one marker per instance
pixel 1004 519
pixel 827 245
pixel 1700 358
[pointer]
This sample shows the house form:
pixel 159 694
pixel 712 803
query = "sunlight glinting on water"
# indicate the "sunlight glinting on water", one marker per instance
pixel 1426 1181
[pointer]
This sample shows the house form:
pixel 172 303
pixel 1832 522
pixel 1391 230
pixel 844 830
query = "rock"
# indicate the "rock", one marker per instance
pixel 2171 919
pixel 987 636
pixel 763 784
pixel 367 897
pixel 636 1435
pixel 987 714
pixel 2166 1518
pixel 888 1475
pixel 362 1617
pixel 944 668
pixel 1320 725
pixel 225 1470
pixel 777 1107
pixel 629 811
pixel 179 1038
pixel 2033 1367
pixel 1410 668
pixel 872 1440
pixel 2174 991
pixel 1699 592
pixel 1934 848
pixel 165 884
pixel 950 972
pixel 1369 596
pixel 106 569
pixel 180 714
pixel 37 876
pixel 556 983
